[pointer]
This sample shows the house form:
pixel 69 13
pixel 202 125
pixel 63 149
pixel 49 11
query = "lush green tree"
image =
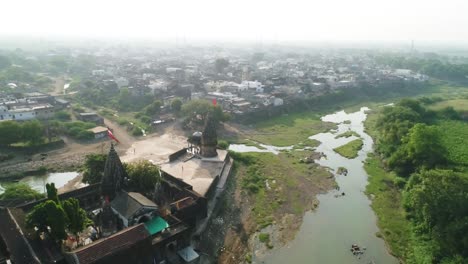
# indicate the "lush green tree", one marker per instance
pixel 197 107
pixel 412 104
pixel 46 215
pixel 33 132
pixel 37 218
pixel 10 132
pixel 393 125
pixel 201 108
pixel 449 113
pixel 77 220
pixel 94 168
pixel 136 131
pixel 62 115
pixel 153 108
pixel 52 193
pixel 437 201
pixel 143 175
pixel 16 74
pixel 176 105
pixel 422 148
pixel 20 191
pixel 219 115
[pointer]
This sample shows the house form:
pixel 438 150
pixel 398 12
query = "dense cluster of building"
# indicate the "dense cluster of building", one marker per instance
pixel 245 82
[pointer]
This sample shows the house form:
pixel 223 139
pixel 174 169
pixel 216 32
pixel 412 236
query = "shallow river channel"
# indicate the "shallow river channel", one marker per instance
pixel 326 234
pixel 38 182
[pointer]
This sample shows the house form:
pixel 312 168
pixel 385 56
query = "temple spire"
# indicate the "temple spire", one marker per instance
pixel 209 138
pixel 114 175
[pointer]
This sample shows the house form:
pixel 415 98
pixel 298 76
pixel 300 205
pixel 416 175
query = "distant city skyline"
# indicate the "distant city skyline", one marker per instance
pixel 399 21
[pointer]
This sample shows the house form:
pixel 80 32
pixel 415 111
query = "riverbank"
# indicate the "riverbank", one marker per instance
pixel 266 190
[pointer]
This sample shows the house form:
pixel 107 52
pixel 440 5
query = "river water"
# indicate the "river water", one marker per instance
pixel 326 234
pixel 38 182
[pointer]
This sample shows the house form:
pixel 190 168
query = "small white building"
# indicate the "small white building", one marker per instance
pixel 157 85
pixel 251 85
pixel 278 101
pixel 121 82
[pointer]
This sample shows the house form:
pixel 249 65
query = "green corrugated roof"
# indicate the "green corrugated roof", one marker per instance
pixel 155 225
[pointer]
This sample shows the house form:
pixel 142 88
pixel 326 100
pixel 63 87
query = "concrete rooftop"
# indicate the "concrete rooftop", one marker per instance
pixel 199 173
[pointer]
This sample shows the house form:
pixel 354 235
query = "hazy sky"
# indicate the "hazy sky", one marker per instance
pixel 242 20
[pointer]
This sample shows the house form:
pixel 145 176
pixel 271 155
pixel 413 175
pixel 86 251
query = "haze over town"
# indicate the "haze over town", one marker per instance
pixel 358 21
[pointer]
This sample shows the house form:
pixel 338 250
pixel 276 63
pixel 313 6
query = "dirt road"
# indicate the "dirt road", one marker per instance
pixel 155 147
pixel 58 86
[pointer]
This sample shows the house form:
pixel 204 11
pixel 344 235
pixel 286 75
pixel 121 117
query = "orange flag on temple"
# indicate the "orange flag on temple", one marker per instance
pixel 109 133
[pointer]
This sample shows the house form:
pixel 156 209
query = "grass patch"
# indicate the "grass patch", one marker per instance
pixel 290 129
pixel 350 150
pixel 386 203
pixel 457 104
pixel 278 184
pixel 455 138
pixel 264 237
pixel 348 134
pixel 342 170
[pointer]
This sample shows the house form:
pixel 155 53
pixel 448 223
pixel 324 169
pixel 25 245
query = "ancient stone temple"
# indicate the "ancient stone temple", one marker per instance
pixel 209 139
pixel 114 175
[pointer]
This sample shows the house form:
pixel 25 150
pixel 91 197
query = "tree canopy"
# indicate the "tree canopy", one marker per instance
pixel 56 217
pixel 438 203
pixel 143 175
pixel 20 191
pixel 176 105
pixel 48 214
pixel 77 220
pixel 13 132
pixel 94 168
pixel 421 148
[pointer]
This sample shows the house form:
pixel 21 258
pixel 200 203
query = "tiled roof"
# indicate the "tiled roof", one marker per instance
pixel 106 247
pixel 16 243
pixel 128 204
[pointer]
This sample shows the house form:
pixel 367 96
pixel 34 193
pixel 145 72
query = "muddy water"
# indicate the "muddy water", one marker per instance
pixel 326 234
pixel 38 182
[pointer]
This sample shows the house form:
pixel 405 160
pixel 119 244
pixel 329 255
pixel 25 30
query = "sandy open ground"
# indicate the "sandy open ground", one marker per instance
pixel 154 148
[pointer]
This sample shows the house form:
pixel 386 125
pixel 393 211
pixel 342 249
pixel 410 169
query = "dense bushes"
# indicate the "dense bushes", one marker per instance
pixel 31 132
pixel 62 115
pixel 429 149
pixel 20 191
pixel 77 129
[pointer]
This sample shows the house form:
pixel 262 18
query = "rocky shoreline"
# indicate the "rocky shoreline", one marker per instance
pixel 18 170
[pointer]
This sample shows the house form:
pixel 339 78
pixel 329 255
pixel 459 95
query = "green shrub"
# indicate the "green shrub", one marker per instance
pixel 122 121
pixel 145 119
pixel 223 144
pixel 62 115
pixel 137 131
pixel 264 237
pixel 85 134
pixel 399 182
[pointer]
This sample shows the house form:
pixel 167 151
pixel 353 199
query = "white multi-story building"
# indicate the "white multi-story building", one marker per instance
pixel 26 112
